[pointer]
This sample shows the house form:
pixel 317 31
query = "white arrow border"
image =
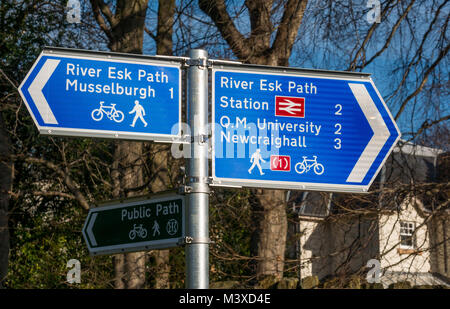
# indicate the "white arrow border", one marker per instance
pixel 35 90
pixel 24 99
pixel 380 133
pixel 89 228
pixel 396 128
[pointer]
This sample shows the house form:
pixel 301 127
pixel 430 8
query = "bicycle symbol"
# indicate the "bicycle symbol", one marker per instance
pixel 306 165
pixel 110 111
pixel 137 231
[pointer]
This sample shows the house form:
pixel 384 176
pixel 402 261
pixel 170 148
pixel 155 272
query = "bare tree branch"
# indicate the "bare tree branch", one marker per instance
pixel 106 11
pixel 428 124
pixel 99 7
pixel 288 29
pixel 441 55
pixel 369 35
pixel 389 39
pixel 217 11
pixel 68 181
pixel 150 33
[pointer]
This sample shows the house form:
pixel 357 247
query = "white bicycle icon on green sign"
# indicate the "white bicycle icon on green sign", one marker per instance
pixel 137 231
pixel 305 165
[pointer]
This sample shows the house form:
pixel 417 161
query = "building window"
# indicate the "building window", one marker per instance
pixel 407 239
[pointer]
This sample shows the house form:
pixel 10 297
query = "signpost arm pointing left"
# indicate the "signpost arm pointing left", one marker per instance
pixel 36 94
pixel 89 229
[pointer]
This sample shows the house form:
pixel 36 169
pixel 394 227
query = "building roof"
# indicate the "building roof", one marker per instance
pixel 407 166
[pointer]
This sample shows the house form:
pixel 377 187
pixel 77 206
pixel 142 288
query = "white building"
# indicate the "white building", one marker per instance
pixel 338 234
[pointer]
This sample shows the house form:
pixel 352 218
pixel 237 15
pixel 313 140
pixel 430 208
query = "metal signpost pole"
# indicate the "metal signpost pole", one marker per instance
pixel 197 217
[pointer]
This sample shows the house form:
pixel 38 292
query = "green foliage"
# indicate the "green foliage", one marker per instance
pixel 45 228
pixel 354 282
pixel 400 285
pixel 309 282
pixel 287 284
pixel 178 273
pixel 226 285
pixel 231 229
pixel 41 249
pixel 372 286
pixel 267 282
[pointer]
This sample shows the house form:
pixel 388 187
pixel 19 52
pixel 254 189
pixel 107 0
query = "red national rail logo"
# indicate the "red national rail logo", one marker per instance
pixel 289 106
pixel 280 163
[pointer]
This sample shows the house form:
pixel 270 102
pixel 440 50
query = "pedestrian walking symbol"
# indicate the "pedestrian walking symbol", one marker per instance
pixel 155 228
pixel 255 159
pixel 139 112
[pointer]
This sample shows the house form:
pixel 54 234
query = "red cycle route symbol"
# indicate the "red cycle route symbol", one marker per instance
pixel 289 107
pixel 280 163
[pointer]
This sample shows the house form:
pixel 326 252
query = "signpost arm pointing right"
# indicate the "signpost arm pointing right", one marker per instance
pixel 380 133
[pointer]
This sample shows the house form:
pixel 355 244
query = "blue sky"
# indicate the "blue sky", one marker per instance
pixel 327 40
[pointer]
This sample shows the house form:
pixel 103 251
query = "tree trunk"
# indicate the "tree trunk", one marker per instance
pixel 160 182
pixel 161 159
pixel 125 31
pixel 269 213
pixel 269 237
pixel 162 278
pixel 5 186
pixel 269 206
pixel 129 267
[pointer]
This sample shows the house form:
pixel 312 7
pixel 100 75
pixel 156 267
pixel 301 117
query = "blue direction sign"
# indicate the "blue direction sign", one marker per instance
pixel 298 129
pixel 95 94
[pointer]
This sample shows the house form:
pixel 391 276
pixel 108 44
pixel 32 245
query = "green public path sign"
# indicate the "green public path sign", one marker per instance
pixel 155 223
